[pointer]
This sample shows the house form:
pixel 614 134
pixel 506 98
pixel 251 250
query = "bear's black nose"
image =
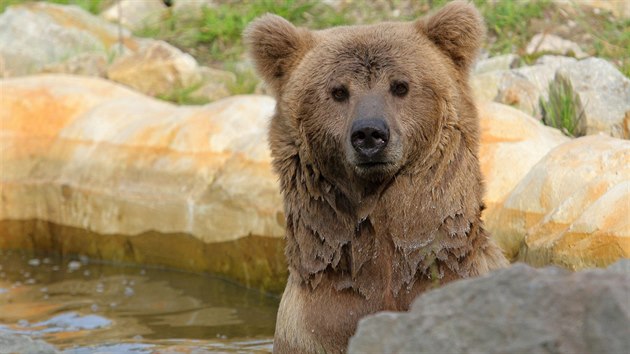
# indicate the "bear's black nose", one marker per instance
pixel 369 137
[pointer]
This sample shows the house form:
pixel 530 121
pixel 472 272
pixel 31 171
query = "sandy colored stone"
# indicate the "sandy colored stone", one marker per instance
pixel 500 62
pixel 193 5
pixel 572 207
pixel 157 68
pixel 485 85
pixel 88 64
pixel 518 92
pixel 619 8
pixel 550 43
pixel 210 92
pixel 511 144
pixel 216 84
pixel 89 154
pixel 50 33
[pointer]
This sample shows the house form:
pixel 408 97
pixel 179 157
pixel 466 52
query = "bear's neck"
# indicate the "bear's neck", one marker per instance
pixel 423 223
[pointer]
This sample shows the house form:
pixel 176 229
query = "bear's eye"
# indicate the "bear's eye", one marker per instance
pixel 399 88
pixel 340 93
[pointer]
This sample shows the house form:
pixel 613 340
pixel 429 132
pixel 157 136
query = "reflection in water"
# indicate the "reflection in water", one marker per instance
pixel 82 307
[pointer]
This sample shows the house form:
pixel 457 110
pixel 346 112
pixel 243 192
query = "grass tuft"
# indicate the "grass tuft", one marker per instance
pixel 563 109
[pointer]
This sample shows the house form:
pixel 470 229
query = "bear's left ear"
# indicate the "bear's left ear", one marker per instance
pixel 276 47
pixel 457 29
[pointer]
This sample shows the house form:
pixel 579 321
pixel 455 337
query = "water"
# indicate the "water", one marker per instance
pixel 82 307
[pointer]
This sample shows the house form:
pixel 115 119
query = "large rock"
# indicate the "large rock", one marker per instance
pixel 517 91
pixel 157 68
pixel 50 34
pixel 604 96
pixel 524 87
pixel 515 310
pixel 572 208
pixel 91 167
pixel 603 92
pixel 521 87
pixel 511 144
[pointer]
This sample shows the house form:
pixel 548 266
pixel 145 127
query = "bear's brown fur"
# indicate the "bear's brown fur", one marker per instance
pixel 368 231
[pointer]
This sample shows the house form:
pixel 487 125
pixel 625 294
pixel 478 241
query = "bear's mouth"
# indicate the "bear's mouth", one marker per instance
pixel 373 164
pixel 375 170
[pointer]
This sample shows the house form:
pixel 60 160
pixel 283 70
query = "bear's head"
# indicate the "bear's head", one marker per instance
pixel 363 103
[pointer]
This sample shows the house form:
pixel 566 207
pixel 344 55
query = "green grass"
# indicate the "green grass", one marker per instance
pixel 509 22
pixel 562 110
pixel 184 96
pixel 612 41
pixel 246 80
pixel 216 32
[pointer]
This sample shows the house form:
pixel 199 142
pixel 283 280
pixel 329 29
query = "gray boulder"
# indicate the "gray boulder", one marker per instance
pixel 521 87
pixel 34 35
pixel 18 343
pixel 550 43
pixel 515 310
pixel 604 96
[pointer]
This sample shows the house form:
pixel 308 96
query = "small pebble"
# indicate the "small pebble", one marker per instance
pixel 74 265
pixel 34 262
pixel 129 291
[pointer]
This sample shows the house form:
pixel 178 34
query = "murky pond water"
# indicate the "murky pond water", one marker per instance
pixel 83 307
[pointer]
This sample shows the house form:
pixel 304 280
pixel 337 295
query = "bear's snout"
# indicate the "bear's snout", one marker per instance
pixel 369 137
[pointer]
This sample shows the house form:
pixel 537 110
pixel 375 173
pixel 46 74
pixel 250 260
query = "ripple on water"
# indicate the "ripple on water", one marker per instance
pixel 111 309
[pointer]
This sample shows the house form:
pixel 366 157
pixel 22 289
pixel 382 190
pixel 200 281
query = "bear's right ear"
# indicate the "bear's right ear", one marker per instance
pixel 276 47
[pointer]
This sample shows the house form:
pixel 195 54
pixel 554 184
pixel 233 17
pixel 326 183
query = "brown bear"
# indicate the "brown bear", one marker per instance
pixel 375 141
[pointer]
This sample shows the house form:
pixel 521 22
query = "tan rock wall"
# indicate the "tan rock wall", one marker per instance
pixel 87 154
pixel 572 208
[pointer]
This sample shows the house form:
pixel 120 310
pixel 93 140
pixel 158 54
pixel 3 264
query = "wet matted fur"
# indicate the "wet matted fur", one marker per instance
pixel 365 237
